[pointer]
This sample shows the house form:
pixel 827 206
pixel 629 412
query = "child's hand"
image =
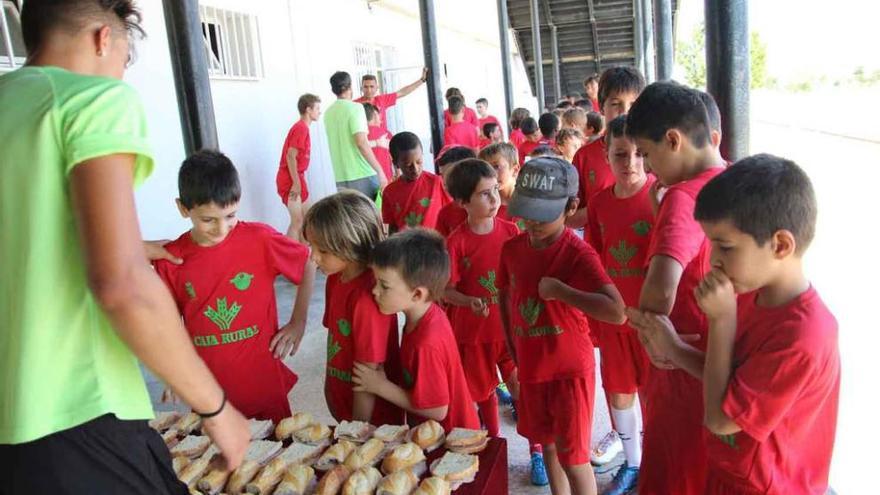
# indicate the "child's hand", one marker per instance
pixel 156 251
pixel 655 193
pixel 168 396
pixel 479 307
pixel 286 341
pixel 716 297
pixel 548 288
pixel 367 379
pixel 658 335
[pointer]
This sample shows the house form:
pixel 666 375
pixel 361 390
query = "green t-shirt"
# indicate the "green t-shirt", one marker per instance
pixel 342 120
pixel 61 363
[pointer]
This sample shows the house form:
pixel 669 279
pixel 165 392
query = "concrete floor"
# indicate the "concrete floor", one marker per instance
pixel 308 394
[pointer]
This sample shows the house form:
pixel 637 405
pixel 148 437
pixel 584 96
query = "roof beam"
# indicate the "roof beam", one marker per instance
pixel 596 60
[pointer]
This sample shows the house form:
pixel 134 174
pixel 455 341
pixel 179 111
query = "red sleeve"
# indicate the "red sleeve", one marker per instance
pixel 587 273
pixel 387 208
pixel 471 116
pixel 766 385
pixel 386 100
pixel 167 272
pixel 447 119
pixel 676 233
pixel 286 256
pixel 328 290
pixel 299 134
pixel 502 280
pixel 448 138
pixel 369 331
pixel 594 230
pixel 430 383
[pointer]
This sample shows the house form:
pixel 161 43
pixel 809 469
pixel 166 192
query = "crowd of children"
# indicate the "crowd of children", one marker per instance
pixel 718 359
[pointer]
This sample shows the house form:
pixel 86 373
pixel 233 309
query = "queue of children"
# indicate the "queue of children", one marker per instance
pixel 718 358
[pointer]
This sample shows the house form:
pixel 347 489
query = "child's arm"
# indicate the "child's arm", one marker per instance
pixel 456 298
pixel 363 402
pixel 292 152
pixel 286 341
pixel 606 304
pixel 374 381
pixel 661 284
pixel 504 302
pixel 665 347
pixel 578 220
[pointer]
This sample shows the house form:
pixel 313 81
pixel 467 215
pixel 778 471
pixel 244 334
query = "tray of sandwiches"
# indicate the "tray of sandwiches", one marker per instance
pixel 301 456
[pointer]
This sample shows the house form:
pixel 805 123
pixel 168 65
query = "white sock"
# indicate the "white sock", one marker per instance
pixel 629 428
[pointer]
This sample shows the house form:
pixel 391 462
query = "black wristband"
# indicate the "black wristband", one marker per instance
pixel 218 411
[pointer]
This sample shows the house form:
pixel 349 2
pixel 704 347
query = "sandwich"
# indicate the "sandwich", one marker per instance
pixel 297 480
pixel 335 455
pixel 362 482
pixel 258 454
pixel 391 434
pixel 367 454
pixel 213 482
pixel 188 423
pixel 179 463
pixel 262 451
pixel 466 441
pixel 402 482
pixel 194 471
pixel 332 481
pixel 456 468
pixel 428 435
pixel 170 438
pixel 164 420
pixel 241 476
pixel 287 426
pixel 356 431
pixel 433 486
pixel 260 429
pixel 402 457
pixel 191 446
pixel 312 434
pixel 300 453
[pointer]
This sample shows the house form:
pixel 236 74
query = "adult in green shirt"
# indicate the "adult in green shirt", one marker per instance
pixel 354 165
pixel 79 303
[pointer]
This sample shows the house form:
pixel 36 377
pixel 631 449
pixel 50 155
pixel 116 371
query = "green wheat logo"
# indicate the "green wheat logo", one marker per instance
pixel 641 228
pixel 223 315
pixel 413 219
pixel 623 252
pixel 344 327
pixel 242 280
pixel 488 282
pixel 190 290
pixel 729 440
pixel 333 347
pixel 531 310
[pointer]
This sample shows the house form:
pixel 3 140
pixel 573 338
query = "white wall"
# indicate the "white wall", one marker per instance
pixel 303 42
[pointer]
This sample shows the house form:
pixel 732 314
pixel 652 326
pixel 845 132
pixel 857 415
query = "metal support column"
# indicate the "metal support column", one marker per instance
pixel 663 29
pixel 647 27
pixel 554 50
pixel 432 62
pixel 728 71
pixel 190 67
pixel 503 32
pixel 539 62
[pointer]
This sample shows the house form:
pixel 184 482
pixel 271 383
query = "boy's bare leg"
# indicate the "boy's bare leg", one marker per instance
pixel 558 478
pixel 581 479
pixel 297 216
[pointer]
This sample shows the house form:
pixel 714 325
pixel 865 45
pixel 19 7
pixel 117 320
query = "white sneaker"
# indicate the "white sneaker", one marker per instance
pixel 606 449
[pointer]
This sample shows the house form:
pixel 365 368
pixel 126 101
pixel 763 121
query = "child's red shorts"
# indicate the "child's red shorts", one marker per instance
pixel 481 362
pixel 624 364
pixel 560 412
pixel 283 183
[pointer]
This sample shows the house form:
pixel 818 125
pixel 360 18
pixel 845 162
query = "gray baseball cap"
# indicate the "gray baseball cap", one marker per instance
pixel 542 189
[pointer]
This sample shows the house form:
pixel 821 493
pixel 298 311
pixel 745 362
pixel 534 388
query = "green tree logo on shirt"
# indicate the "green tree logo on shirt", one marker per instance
pixel 488 282
pixel 521 224
pixel 333 347
pixel 592 176
pixel 413 219
pixel 223 315
pixel 242 280
pixel 407 378
pixel 190 290
pixel 344 327
pixel 425 202
pixel 729 440
pixel 641 228
pixel 531 310
pixel 623 252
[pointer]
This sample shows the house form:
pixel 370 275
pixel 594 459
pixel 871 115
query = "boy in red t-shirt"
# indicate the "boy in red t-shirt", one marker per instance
pixel 771 369
pixel 517 116
pixel 379 137
pixel 568 141
pixel 291 177
pixel 470 116
pixel 502 157
pixel 490 133
pixel 452 214
pixel 483 116
pixel 356 329
pixel 411 270
pixel 225 289
pixel 549 281
pixel 547 127
pixel 619 225
pixel 669 126
pixel 415 198
pixel 618 88
pixel 460 132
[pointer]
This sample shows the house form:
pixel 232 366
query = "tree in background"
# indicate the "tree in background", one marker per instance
pixel 691 55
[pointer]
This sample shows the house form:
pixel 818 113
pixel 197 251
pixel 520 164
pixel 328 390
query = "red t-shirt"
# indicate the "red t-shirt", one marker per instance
pixel 297 137
pixel 461 134
pixel 414 204
pixel 596 107
pixel 679 236
pixel 474 261
pixel 382 154
pixel 517 138
pixel 594 171
pixel 552 339
pixel 226 295
pixel 488 120
pixel 783 393
pixel 432 372
pixel 484 142
pixel 527 147
pixel 383 103
pixel 470 116
pixel 505 214
pixel 620 231
pixel 451 216
pixel 357 331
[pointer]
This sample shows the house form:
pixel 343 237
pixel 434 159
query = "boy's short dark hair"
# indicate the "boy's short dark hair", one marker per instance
pixel 453 155
pixel 544 150
pixel 564 105
pixel 368 77
pixel 39 17
pixel 529 126
pixel 568 133
pixel 340 82
pixel 518 116
pixel 489 128
pixel 453 91
pixel 483 101
pixel 619 80
pixel 306 102
pixel 712 110
pixel 615 129
pixel 576 96
pixel 549 124
pixel 592 78
pixel 419 256
pixel 668 105
pixel 456 105
pixel 595 121
pixel 370 110
pixel 462 179
pixel 206 177
pixel 585 104
pixel 507 150
pixel 403 142
pixel 760 195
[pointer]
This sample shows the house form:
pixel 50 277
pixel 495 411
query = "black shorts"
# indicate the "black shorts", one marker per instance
pixel 103 456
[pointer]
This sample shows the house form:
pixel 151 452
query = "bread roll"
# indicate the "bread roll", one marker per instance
pixel 365 455
pixel 194 471
pixel 433 486
pixel 260 429
pixel 178 463
pixel 164 420
pixel 391 433
pixel 171 438
pixel 464 437
pixel 268 477
pixel 335 455
pixel 241 476
pixel 289 425
pixel 213 482
pixel 312 434
pixel 402 457
pixel 400 483
pixel 332 481
pixel 454 467
pixel 362 482
pixel 428 435
pixel 188 423
pixel 191 446
pixel 296 480
pixel 357 431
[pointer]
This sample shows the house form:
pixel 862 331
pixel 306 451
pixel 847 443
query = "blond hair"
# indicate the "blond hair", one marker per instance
pixel 345 224
pixel 568 133
pixel 574 118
